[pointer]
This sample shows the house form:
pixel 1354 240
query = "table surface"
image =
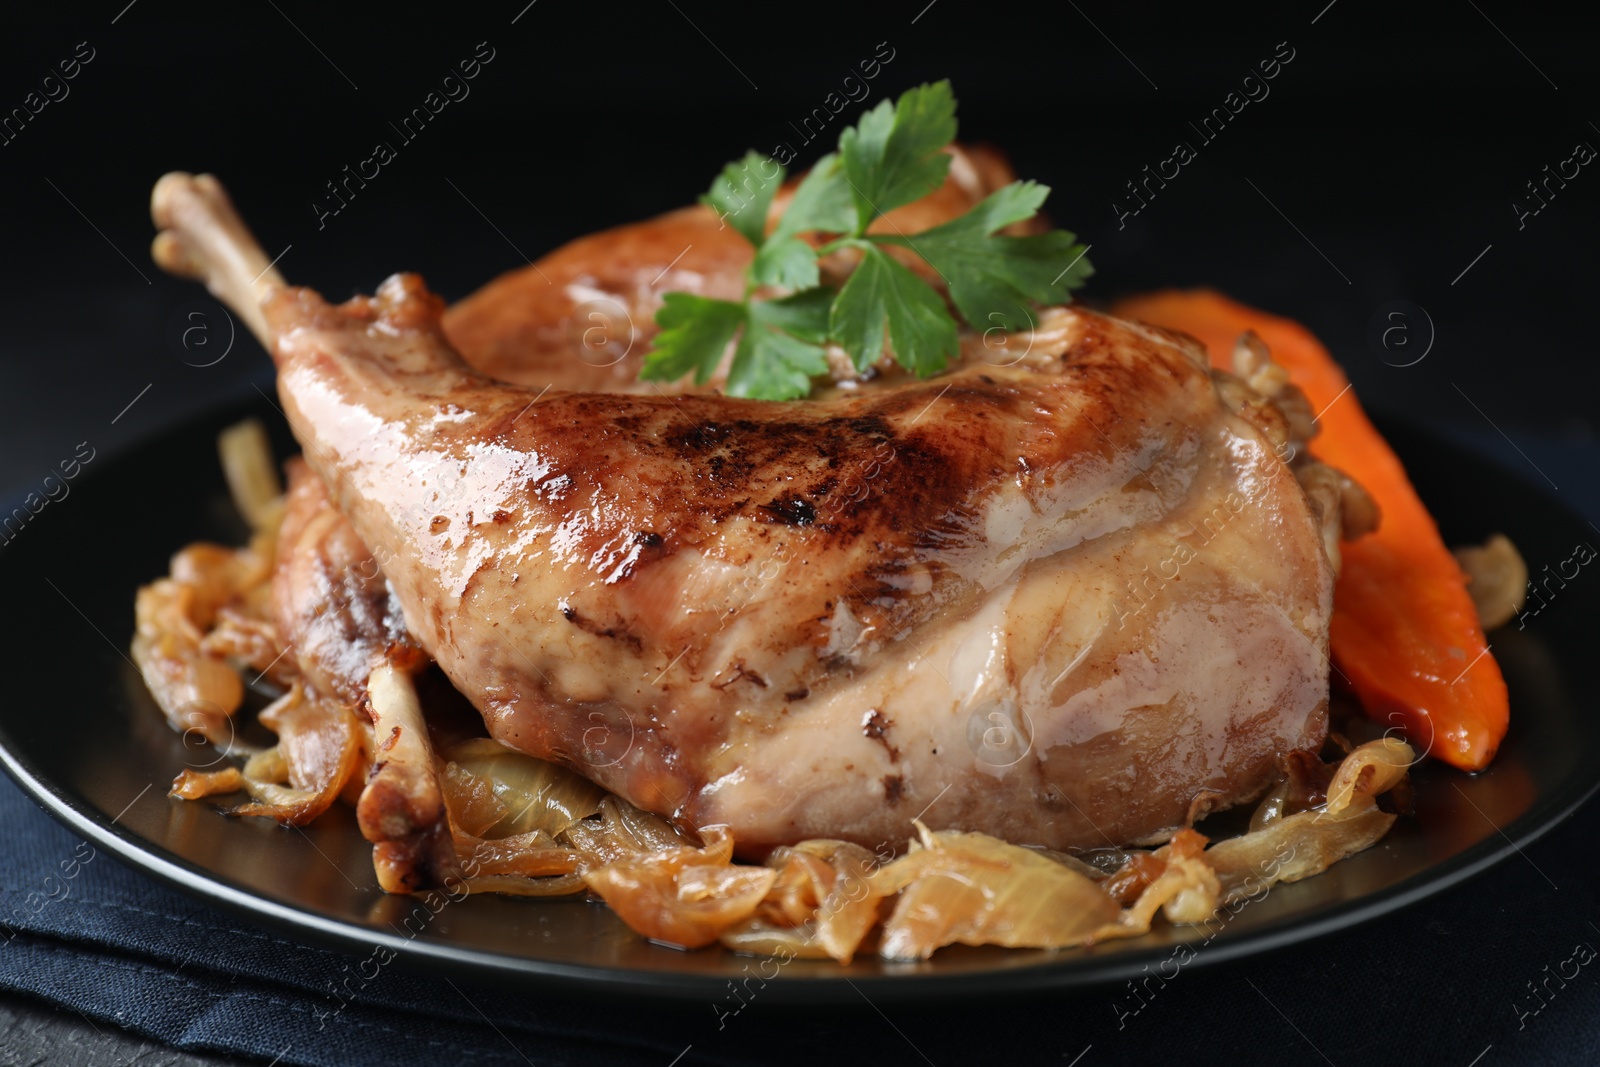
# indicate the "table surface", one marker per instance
pixel 36 1033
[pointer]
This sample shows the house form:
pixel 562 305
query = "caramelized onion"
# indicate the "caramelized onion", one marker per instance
pixel 195 691
pixel 1497 580
pixel 683 896
pixel 978 890
pixel 527 794
pixel 1373 768
pixel 533 855
pixel 318 749
pixel 194 685
pixel 623 830
pixel 251 472
pixel 192 785
pixel 1184 887
pixel 245 634
pixel 471 801
pixel 557 886
pixel 1298 846
pixel 822 903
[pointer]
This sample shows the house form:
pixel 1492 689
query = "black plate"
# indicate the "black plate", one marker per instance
pixel 69 578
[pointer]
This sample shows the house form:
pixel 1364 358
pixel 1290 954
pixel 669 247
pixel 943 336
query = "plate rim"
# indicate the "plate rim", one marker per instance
pixel 1074 973
pixel 77 813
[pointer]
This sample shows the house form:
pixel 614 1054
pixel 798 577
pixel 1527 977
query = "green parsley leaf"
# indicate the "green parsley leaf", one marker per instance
pixel 893 156
pixel 822 203
pixel 880 293
pixel 771 365
pixel 804 314
pixel 787 263
pixel 695 331
pixel 992 278
pixel 779 351
pixel 743 192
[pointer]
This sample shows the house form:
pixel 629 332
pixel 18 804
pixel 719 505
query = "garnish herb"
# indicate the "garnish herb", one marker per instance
pixel 893 156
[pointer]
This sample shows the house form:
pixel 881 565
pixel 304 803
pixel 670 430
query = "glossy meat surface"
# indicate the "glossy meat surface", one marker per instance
pixel 330 601
pixel 582 317
pixel 579 318
pixel 1070 600
pixel 1064 602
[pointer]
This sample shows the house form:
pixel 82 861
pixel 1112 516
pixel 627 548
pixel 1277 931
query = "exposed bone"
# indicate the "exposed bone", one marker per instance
pixel 434 466
pixel 402 810
pixel 203 237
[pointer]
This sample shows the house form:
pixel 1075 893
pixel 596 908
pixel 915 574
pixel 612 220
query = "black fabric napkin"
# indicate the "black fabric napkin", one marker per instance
pixel 1501 970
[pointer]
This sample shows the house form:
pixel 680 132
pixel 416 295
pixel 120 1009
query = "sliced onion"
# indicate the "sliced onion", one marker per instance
pixel 1272 807
pixel 246 635
pixel 1497 580
pixel 1309 842
pixel 1296 847
pixel 252 474
pixel 1373 768
pixel 823 903
pixel 755 937
pixel 1185 888
pixel 978 890
pixel 622 830
pixel 318 750
pixel 803 880
pixel 196 692
pixel 683 896
pixel 193 785
pixel 534 855
pixel 535 794
pixel 195 686
pixel 556 886
pixel 471 800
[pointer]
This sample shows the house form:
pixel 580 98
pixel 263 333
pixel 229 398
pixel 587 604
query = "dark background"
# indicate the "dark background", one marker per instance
pixel 1392 148
pixel 1396 141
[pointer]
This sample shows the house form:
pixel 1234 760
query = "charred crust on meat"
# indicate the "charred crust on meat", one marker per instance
pixel 591 626
pixel 791 509
pixel 894 787
pixel 738 673
pixel 876 727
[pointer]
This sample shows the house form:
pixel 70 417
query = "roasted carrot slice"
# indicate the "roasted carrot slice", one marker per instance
pixel 1405 634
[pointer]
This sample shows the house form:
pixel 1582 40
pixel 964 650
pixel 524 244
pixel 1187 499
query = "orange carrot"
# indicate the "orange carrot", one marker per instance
pixel 1405 634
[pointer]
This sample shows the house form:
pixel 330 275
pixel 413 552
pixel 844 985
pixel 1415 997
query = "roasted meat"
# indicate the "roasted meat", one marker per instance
pixel 582 317
pixel 1071 598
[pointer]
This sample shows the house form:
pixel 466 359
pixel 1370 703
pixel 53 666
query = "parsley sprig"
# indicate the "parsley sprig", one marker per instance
pixel 892 157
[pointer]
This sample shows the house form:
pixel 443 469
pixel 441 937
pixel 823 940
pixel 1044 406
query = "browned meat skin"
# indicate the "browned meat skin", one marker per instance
pixel 815 619
pixel 339 620
pixel 329 593
pixel 595 563
pixel 582 316
pixel 331 603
